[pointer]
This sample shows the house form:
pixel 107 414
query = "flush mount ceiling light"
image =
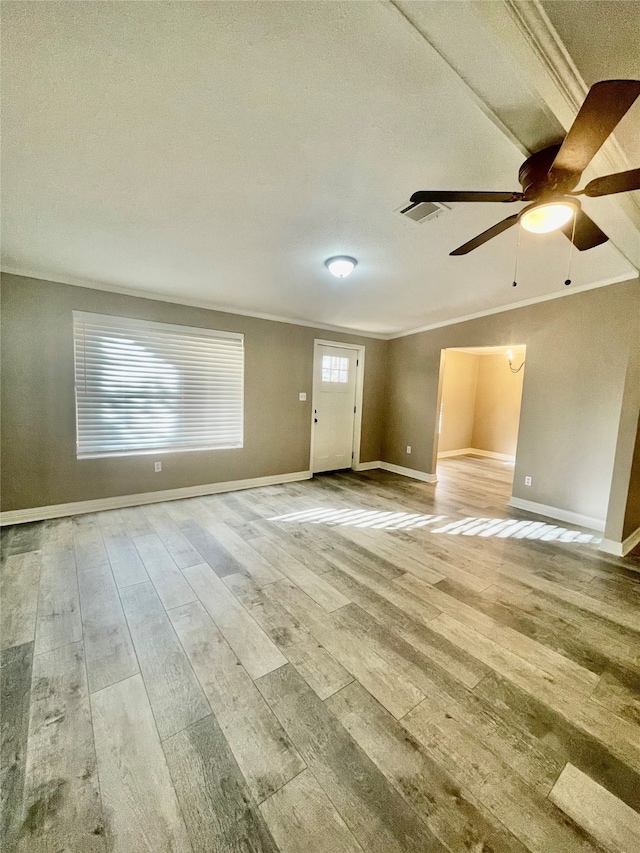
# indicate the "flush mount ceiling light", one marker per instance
pixel 543 218
pixel 340 266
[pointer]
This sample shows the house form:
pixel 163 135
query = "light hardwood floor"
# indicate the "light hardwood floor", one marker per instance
pixel 360 662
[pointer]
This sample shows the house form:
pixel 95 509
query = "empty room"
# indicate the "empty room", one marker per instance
pixel 320 426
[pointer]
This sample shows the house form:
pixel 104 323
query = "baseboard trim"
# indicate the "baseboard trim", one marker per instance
pixel 366 466
pixel 397 469
pixel 620 549
pixel 408 472
pixel 558 514
pixel 20 516
pixel 465 451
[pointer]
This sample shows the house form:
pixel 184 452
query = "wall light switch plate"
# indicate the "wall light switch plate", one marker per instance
pixel 408 448
pixel 157 466
pixel 302 396
pixel 527 481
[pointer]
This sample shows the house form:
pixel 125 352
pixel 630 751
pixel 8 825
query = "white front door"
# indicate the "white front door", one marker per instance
pixel 334 396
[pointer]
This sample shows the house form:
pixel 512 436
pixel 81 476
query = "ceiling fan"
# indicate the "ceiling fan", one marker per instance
pixel 548 177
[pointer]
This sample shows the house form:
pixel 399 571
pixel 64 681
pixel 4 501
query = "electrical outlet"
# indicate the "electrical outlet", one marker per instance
pixel 157 466
pixel 302 396
pixel 408 448
pixel 527 481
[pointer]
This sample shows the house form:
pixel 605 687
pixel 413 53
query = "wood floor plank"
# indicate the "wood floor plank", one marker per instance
pixel 449 809
pixel 561 668
pixel 619 614
pixel 19 585
pixel 257 653
pixel 517 750
pixel 561 737
pixel 300 548
pixel 213 553
pixel 316 587
pixel 23 538
pixel 397 595
pixel 263 751
pixel 140 804
pixel 125 561
pixel 57 535
pixel 62 809
pixel 15 701
pixel 108 648
pixel 599 654
pixel 166 577
pixel 59 621
pixel 380 820
pixel 355 555
pixel 530 817
pixel 462 666
pixel 261 570
pixel 376 673
pixel 392 549
pixel 619 736
pixel 620 694
pixel 316 665
pixel 218 810
pixel 181 550
pixel 88 542
pixel 596 810
pixel 135 521
pixel 302 817
pixel 176 698
pixel 423 563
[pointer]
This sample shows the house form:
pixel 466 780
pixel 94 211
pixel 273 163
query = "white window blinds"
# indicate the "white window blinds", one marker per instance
pixel 144 387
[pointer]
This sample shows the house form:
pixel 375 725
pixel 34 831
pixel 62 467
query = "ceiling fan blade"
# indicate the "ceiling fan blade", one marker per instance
pixel 587 234
pixel 486 235
pixel 606 103
pixel 438 195
pixel 621 182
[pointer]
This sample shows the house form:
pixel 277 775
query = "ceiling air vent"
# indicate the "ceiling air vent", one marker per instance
pixel 422 211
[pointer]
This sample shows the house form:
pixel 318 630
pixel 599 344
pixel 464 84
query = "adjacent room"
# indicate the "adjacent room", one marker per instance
pixel 320 426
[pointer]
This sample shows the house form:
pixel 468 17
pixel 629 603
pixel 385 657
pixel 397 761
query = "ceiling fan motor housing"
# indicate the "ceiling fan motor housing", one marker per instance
pixel 536 181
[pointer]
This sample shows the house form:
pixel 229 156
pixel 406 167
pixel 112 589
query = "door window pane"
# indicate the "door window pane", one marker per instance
pixel 335 369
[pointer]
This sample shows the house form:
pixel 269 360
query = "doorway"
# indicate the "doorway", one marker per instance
pixel 479 403
pixel 336 422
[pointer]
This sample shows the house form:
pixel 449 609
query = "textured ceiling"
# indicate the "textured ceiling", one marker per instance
pixel 218 153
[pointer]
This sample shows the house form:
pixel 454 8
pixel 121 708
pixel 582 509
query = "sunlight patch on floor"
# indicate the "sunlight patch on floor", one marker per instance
pixel 500 528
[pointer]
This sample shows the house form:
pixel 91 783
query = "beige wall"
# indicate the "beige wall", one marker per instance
pixel 39 465
pixel 480 402
pixel 577 353
pixel 572 420
pixel 459 382
pixel 497 404
pixel 623 515
pixel 632 509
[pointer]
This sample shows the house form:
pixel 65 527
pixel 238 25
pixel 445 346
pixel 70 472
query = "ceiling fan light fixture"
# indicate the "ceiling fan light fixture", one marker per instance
pixel 544 218
pixel 341 266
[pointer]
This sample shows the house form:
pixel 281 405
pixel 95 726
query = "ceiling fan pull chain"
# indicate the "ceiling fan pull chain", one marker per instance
pixel 515 271
pixel 573 234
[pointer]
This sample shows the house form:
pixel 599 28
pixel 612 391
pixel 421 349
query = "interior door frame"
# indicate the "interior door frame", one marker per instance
pixel 357 421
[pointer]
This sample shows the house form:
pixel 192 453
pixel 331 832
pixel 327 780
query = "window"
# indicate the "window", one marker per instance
pixel 144 387
pixel 335 369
